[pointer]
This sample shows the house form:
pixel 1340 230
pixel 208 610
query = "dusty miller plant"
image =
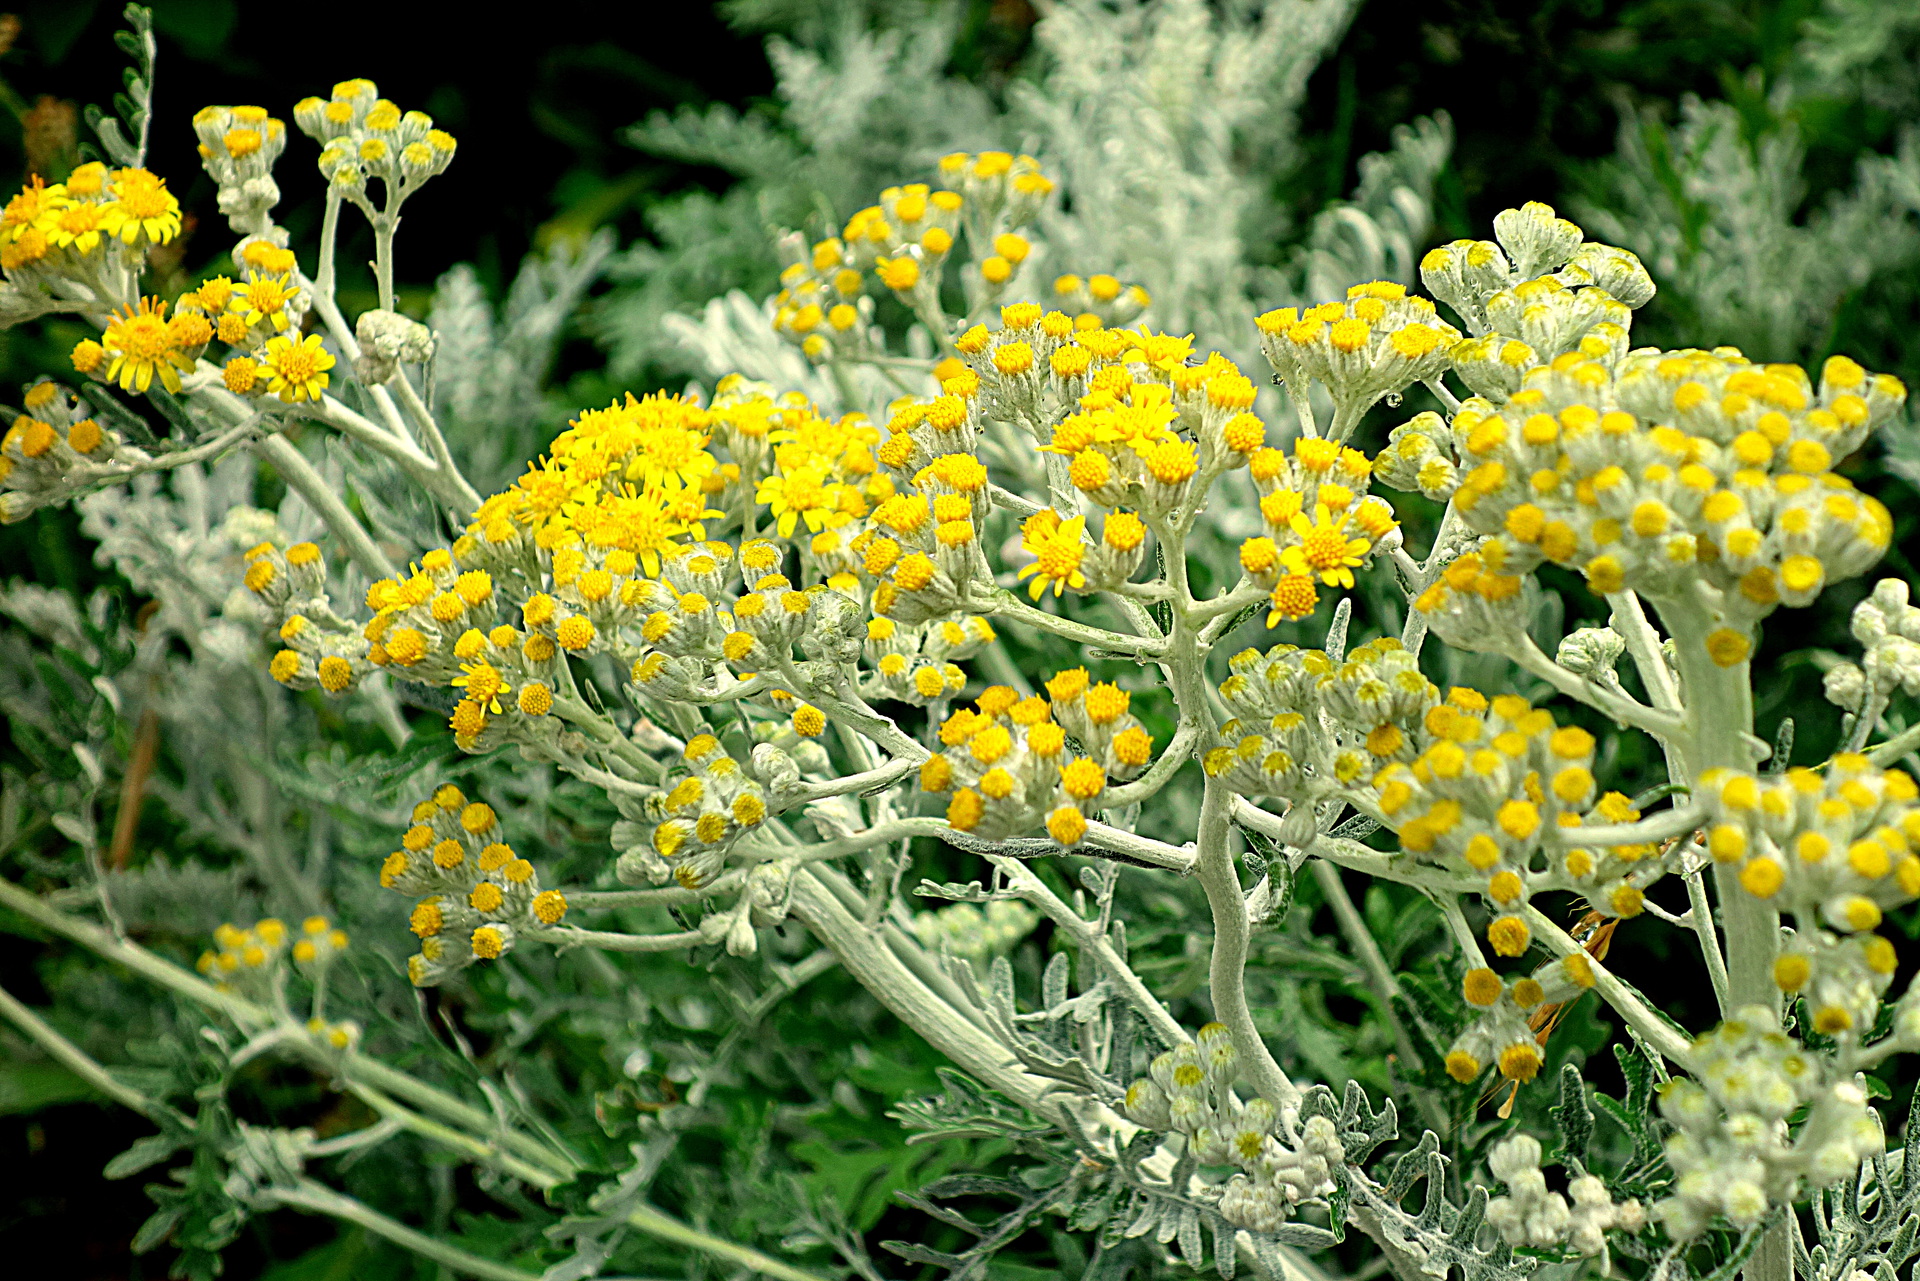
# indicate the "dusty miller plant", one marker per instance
pixel 781 641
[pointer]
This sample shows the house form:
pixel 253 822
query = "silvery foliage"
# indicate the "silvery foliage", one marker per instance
pixel 861 101
pixel 1172 119
pixel 1715 202
pixel 491 365
pixel 1868 1225
pixel 189 674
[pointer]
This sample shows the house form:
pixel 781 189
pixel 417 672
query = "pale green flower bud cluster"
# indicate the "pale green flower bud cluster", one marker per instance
pixel 1529 1215
pixel 1279 1161
pixel 1732 1153
pixel 1305 724
pixel 1591 651
pixel 238 148
pixel 975 933
pixel 1888 629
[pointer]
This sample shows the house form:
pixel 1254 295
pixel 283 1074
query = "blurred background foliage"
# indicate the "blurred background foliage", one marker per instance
pixel 1760 156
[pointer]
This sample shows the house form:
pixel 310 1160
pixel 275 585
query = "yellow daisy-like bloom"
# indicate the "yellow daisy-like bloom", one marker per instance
pixel 484 684
pixel 1324 547
pixel 76 226
pixel 141 346
pixel 298 368
pixel 673 453
pixel 141 206
pixel 263 298
pixel 34 200
pixel 1058 552
pixel 805 493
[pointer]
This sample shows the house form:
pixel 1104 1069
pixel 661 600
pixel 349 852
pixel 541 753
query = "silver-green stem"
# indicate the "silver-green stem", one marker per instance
pixel 318 1198
pixel 882 973
pixel 1719 735
pixel 1231 936
pixel 1652 1028
pixel 312 487
pixel 1896 747
pixel 1094 944
pixel 329 240
pixel 383 228
pixel 75 1059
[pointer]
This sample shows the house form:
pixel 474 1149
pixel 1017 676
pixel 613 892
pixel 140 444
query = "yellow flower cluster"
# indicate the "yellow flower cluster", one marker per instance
pixel 1006 766
pixel 1142 424
pixel 1375 343
pixel 906 241
pixel 919 664
pixel 238 144
pixel 63 230
pixel 822 303
pixel 1322 525
pixel 1501 789
pixel 141 344
pixel 249 958
pixel 1490 787
pixel 474 893
pixel 686 831
pixel 1099 301
pixel 1665 470
pixel 43 445
pixel 365 136
pixel 1502 1031
pixel 1834 849
pixel 1064 559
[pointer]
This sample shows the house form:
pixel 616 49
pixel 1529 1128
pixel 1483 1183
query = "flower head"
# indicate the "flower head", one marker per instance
pixel 1057 549
pixel 297 368
pixel 141 347
pixel 1325 549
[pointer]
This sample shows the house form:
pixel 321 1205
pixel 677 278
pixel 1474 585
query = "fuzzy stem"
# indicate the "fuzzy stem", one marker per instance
pixel 1227 970
pixel 311 486
pixel 1093 943
pixel 913 1002
pixel 75 1059
pixel 1654 1030
pixel 318 1198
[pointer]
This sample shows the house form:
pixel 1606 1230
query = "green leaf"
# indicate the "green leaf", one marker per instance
pixel 1572 1115
pixel 146 1152
pixel 158 1227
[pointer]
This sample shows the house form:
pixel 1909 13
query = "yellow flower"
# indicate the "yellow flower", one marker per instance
pixel 24 209
pixel 805 493
pixel 1324 547
pixel 142 206
pixel 77 226
pixel 264 298
pixel 1058 551
pixel 484 685
pixel 140 346
pixel 298 368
